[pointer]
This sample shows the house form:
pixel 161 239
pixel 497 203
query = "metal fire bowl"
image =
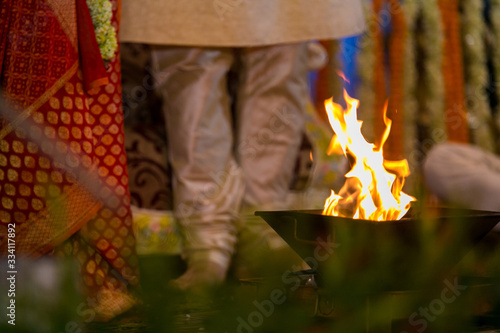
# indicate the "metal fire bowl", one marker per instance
pixel 379 256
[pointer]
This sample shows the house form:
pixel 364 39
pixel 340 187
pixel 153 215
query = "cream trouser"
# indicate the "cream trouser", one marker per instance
pixel 222 166
pixel 464 175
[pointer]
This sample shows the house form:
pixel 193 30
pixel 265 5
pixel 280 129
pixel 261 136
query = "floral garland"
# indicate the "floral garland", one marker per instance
pixel 372 90
pixel 365 64
pixel 101 13
pixel 454 94
pixel 411 11
pixel 476 75
pixel 495 27
pixel 397 111
pixel 380 85
pixel 430 40
pixel 403 76
pixel 430 37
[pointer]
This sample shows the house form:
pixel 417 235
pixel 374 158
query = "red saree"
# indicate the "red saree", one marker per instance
pixel 63 176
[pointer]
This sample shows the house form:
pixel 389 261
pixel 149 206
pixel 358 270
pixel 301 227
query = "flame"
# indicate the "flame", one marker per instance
pixel 342 75
pixel 373 187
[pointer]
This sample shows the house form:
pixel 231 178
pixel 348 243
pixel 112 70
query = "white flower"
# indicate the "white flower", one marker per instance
pixel 101 14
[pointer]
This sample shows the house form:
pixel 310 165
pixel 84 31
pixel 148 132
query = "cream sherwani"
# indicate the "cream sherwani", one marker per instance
pixel 222 160
pixel 238 22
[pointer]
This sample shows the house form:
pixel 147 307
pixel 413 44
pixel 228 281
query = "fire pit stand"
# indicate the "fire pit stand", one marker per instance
pixel 388 263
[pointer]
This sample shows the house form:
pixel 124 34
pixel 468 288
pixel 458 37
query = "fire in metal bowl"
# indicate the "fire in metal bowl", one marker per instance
pixel 379 256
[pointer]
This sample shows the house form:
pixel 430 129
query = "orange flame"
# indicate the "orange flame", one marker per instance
pixel 373 187
pixel 342 75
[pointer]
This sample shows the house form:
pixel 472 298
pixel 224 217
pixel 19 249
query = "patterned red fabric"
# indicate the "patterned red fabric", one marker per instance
pixel 63 176
pixel 94 73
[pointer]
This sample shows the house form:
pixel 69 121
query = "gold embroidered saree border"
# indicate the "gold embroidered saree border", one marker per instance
pixel 13 125
pixel 55 223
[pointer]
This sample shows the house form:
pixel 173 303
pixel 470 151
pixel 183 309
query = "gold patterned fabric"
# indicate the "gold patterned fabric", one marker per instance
pixel 63 176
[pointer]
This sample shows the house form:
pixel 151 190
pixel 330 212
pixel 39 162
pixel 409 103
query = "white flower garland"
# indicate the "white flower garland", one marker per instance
pixel 101 13
pixel 476 75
